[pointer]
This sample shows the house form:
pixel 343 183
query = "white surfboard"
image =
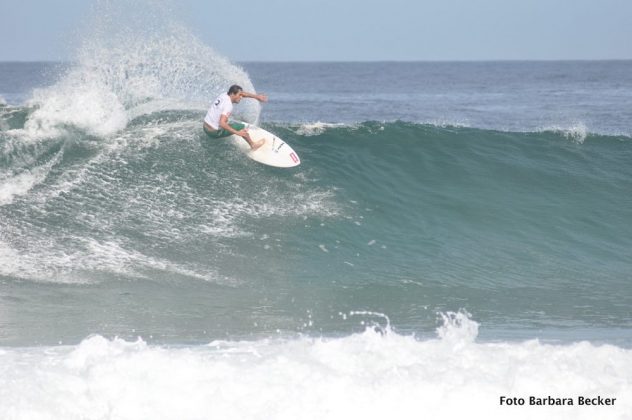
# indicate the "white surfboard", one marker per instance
pixel 274 152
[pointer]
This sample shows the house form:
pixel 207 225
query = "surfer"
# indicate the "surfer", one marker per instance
pixel 216 123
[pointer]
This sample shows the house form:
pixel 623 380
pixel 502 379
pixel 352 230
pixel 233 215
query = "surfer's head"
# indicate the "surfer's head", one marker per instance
pixel 235 93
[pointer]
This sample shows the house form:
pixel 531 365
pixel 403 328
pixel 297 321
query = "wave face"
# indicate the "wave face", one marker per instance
pixel 402 218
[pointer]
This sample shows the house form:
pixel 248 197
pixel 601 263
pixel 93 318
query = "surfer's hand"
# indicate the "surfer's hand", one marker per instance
pixel 262 98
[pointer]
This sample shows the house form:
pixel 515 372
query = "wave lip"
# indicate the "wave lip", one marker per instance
pixel 576 132
pixel 119 72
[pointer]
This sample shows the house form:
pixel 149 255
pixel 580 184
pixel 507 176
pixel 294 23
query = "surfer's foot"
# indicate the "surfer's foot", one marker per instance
pixel 257 144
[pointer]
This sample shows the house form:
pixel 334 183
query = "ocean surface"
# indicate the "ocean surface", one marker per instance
pixel 456 232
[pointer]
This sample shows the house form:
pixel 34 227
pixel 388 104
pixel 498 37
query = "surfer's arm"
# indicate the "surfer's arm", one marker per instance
pixel 260 98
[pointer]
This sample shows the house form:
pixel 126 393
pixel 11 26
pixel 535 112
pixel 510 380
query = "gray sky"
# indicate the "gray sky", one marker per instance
pixel 352 30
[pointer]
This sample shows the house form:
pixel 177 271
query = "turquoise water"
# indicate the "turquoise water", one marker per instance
pixel 182 239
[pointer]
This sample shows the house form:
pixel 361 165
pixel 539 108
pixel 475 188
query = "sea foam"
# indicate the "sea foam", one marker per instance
pixel 371 375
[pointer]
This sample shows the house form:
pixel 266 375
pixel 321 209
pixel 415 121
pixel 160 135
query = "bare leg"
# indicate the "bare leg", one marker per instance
pixel 253 145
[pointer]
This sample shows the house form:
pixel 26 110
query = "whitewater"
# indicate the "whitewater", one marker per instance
pixel 374 374
pixel 457 233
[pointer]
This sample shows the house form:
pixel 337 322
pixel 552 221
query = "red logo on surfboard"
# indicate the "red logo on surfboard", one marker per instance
pixel 294 157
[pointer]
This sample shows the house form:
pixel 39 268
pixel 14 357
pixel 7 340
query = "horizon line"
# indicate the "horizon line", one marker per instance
pixel 500 60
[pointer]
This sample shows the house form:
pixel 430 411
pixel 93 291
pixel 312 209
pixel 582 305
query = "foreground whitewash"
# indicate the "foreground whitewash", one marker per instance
pixel 373 375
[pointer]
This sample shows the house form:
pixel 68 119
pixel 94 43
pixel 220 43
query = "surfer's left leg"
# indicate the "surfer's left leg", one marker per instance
pixel 254 145
pixel 242 132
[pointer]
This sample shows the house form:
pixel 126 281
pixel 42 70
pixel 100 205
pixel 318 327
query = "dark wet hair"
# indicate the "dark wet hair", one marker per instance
pixel 234 89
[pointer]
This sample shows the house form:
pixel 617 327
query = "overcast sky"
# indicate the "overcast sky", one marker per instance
pixel 353 30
